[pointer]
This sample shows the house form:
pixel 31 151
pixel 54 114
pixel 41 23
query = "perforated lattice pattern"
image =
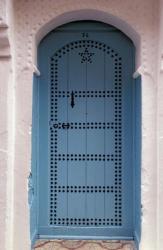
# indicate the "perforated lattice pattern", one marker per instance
pixel 75 198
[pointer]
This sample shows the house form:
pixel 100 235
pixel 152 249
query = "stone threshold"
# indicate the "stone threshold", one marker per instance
pixel 84 245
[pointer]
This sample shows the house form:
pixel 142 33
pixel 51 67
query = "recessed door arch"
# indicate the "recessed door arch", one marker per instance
pixel 85 133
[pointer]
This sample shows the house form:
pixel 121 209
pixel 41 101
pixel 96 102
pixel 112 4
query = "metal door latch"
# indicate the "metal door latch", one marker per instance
pixel 72 99
pixel 65 125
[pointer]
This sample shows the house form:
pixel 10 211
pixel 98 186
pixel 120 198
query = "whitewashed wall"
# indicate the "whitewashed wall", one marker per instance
pixel 22 25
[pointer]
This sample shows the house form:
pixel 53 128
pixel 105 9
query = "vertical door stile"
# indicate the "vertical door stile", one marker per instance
pixel 54 116
pixel 67 132
pixel 86 138
pixel 105 127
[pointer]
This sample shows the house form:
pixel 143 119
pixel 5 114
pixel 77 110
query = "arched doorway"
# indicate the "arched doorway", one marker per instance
pixel 84 121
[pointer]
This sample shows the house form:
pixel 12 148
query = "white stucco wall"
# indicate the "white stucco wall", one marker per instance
pixel 160 129
pixel 28 22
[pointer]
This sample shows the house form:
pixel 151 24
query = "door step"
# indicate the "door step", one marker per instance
pixel 84 245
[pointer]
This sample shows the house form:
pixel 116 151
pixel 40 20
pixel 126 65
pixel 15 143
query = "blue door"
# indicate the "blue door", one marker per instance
pixel 85 151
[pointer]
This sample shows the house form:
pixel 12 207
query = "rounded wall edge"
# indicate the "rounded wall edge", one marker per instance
pixel 94 15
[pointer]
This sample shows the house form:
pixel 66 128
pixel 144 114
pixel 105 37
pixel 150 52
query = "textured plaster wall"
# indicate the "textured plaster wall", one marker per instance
pixel 4 68
pixel 6 124
pixel 160 129
pixel 28 22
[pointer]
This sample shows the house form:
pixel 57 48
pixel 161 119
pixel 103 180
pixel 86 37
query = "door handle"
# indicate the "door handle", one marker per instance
pixel 72 99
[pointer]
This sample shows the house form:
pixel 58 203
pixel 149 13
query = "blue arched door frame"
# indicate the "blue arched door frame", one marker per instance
pixel 34 183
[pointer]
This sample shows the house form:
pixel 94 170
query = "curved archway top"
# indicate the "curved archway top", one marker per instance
pixel 94 15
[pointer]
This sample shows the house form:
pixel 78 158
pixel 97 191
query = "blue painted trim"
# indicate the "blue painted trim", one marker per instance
pixel 85 26
pixel 137 116
pixel 33 182
pixel 84 237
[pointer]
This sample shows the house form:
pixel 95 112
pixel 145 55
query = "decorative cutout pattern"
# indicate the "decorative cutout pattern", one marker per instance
pixel 87 93
pixel 86 56
pixel 83 157
pixel 88 125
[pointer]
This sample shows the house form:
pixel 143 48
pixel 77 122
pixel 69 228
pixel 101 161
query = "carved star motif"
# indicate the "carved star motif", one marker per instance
pixel 86 56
